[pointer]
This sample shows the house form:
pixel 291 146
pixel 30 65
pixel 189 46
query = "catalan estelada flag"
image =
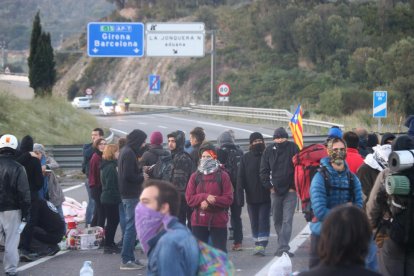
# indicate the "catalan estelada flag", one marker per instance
pixel 295 125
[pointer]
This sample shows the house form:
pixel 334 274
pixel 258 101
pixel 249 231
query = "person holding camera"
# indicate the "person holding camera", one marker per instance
pixel 390 210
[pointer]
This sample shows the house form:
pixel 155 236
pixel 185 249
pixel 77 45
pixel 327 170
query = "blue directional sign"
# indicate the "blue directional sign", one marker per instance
pixel 154 82
pixel 380 104
pixel 115 39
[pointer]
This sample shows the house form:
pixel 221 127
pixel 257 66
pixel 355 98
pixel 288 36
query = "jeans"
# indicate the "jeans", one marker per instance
pixel 283 211
pixel 130 234
pixel 122 218
pixel 99 213
pixel 236 222
pixel 184 214
pixel 91 204
pixel 260 222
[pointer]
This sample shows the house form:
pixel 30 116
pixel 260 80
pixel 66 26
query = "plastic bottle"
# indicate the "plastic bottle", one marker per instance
pixel 72 231
pixel 86 269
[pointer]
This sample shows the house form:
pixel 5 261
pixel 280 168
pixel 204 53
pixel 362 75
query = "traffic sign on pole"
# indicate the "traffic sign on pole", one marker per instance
pixel 115 39
pixel 223 89
pixel 379 104
pixel 154 84
pixel 175 39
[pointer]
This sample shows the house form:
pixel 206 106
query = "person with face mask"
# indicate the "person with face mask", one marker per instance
pixel 210 194
pixel 257 196
pixel 331 186
pixel 169 245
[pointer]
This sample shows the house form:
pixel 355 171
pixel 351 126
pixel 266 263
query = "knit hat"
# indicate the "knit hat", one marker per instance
pixel 334 132
pixel 26 144
pixel 156 138
pixel 255 136
pixel 225 138
pixel 280 133
pixel 387 137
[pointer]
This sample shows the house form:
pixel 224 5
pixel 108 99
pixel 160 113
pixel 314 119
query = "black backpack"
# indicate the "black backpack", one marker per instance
pixel 163 168
pixel 230 158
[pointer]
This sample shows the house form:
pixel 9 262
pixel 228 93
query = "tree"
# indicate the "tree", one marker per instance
pixel 42 73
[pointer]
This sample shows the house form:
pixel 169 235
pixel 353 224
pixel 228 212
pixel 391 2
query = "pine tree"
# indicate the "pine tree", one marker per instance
pixel 42 73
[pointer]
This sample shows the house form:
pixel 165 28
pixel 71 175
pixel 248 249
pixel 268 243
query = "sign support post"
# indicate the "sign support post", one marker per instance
pixel 213 65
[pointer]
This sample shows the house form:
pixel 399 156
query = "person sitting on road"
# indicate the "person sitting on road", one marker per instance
pixel 45 226
pixel 343 244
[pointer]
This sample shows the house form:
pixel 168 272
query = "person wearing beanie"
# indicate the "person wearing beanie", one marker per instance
pixel 210 194
pixel 353 158
pixel 15 203
pixel 154 152
pixel 387 138
pixel 130 179
pixel 277 161
pixel 32 165
pixel 182 169
pixel 347 190
pixel 334 132
pixel 257 196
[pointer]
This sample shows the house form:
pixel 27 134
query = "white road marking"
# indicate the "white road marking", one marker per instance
pixel 162 127
pixel 294 245
pixel 73 187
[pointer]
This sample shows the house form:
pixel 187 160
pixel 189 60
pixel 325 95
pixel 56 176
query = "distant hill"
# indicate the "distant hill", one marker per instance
pixel 62 18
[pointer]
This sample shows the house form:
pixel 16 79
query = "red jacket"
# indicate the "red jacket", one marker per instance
pixel 216 215
pixel 94 170
pixel 353 159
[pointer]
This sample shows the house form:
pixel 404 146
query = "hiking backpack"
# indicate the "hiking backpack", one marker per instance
pixel 163 168
pixel 213 261
pixel 231 161
pixel 307 163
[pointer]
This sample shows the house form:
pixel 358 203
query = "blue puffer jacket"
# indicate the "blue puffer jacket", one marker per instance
pixel 173 252
pixel 321 203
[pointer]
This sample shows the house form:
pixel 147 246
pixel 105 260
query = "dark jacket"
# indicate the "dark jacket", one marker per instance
pixel 249 180
pixel 87 153
pixel 277 159
pixel 195 155
pixel 94 173
pixel 14 186
pixel 216 215
pixel 109 179
pixel 177 241
pixel 130 175
pixel 183 167
pixel 367 176
pixel 151 156
pixel 34 173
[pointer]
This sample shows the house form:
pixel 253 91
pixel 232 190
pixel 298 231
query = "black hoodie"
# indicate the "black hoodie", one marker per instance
pixel 32 166
pixel 130 176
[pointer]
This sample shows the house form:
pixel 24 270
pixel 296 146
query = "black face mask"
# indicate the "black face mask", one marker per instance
pixel 258 148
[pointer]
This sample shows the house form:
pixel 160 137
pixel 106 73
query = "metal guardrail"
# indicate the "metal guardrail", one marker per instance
pixel 70 156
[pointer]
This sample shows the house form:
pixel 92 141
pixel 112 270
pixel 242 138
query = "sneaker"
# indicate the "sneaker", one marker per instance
pixel 27 256
pixel 131 265
pixel 259 250
pixel 280 253
pixel 52 250
pixel 11 273
pixel 237 247
pixel 1 248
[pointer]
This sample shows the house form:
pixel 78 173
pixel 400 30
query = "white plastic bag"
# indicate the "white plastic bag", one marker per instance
pixel 282 267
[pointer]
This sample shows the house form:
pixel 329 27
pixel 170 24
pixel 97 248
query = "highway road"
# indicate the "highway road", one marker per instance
pixel 70 262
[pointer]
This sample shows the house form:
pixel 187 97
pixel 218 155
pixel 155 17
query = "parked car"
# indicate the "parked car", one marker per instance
pixel 81 102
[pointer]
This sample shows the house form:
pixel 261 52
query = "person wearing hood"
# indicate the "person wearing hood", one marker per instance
pixel 257 196
pixel 210 194
pixel 95 181
pixel 393 258
pixel 387 138
pixel 32 165
pixel 151 156
pixel 410 124
pixel 130 179
pixel 374 163
pixel 15 203
pixel 344 188
pixel 229 155
pixel 277 175
pixel 169 245
pixel 182 168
